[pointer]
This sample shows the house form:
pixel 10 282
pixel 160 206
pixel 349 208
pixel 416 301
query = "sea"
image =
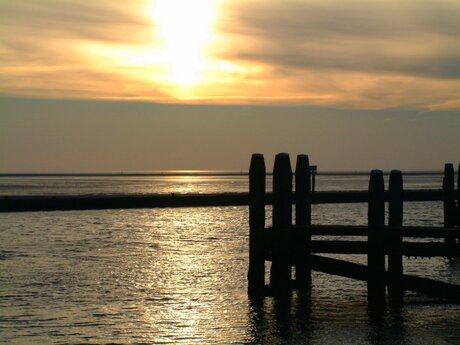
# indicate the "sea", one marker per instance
pixel 179 275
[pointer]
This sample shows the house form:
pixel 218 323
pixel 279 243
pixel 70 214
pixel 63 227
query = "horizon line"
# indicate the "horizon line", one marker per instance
pixel 196 173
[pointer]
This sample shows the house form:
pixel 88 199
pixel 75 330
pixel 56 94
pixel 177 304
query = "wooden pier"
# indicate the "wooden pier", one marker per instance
pixel 292 247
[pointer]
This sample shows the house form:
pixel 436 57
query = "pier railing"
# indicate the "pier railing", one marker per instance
pixel 290 247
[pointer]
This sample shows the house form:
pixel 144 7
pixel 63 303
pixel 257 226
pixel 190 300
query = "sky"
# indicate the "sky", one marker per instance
pixel 178 84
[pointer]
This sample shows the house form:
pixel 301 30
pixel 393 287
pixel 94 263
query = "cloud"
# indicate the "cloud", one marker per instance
pixel 96 20
pixel 416 38
pixel 78 83
pixel 402 43
pixel 355 54
pixel 43 48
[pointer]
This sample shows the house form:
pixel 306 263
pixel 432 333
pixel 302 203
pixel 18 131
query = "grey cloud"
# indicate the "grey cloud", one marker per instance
pixel 41 32
pixel 77 82
pixel 407 37
pixel 97 20
pixel 293 20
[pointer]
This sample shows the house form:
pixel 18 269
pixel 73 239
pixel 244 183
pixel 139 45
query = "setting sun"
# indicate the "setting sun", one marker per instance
pixel 185 28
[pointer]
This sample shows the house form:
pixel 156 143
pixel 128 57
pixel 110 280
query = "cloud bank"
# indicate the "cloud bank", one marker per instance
pixel 343 54
pixel 374 53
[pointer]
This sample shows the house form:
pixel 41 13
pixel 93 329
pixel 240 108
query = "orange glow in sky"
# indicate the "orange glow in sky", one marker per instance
pixel 376 55
pixel 116 85
pixel 185 28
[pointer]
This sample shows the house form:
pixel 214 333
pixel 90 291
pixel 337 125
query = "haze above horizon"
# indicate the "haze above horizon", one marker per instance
pixel 191 85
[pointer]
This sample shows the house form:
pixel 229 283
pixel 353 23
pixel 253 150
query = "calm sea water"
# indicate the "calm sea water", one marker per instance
pixel 178 276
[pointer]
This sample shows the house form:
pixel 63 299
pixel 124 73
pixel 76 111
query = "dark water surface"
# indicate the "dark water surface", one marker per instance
pixel 178 276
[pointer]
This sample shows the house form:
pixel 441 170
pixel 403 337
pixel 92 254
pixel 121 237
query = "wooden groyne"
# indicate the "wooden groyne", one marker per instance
pixel 292 248
pixel 129 201
pixel 100 202
pixel 291 243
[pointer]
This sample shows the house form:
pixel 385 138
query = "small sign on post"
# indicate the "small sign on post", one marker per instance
pixel 313 170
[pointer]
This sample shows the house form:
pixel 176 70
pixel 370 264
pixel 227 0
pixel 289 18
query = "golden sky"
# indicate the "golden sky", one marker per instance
pixel 117 85
pixel 327 53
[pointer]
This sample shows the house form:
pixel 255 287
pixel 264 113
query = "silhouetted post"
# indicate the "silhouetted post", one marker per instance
pixel 313 177
pixel 448 196
pixel 280 275
pixel 376 254
pixel 256 273
pixel 395 214
pixel 458 199
pixel 302 218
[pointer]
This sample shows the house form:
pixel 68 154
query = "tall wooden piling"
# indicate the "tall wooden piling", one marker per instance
pixel 256 272
pixel 458 184
pixel 448 191
pixel 376 254
pixel 287 246
pixel 395 219
pixel 448 196
pixel 458 199
pixel 302 218
pixel 456 215
pixel 280 275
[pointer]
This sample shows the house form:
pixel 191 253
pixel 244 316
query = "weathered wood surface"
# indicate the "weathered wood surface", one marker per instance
pixel 395 238
pixel 99 202
pixel 303 191
pixel 424 286
pixel 325 240
pixel 257 185
pixel 287 245
pixel 280 271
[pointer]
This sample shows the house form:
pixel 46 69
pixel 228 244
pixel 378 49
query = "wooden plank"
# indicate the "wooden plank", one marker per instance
pixel 339 247
pixel 427 232
pixel 344 197
pixel 412 249
pixel 362 230
pixel 348 245
pixel 428 287
pixel 431 288
pixel 427 249
pixel 339 267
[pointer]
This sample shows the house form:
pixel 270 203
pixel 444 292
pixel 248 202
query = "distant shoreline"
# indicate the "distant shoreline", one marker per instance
pixel 197 173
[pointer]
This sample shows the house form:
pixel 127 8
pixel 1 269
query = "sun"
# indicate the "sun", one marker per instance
pixel 185 30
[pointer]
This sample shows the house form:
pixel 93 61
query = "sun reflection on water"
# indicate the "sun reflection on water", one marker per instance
pixel 178 276
pixel 191 294
pixel 188 183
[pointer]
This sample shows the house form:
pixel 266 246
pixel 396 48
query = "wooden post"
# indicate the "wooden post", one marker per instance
pixel 256 273
pixel 458 199
pixel 448 190
pixel 313 180
pixel 376 254
pixel 448 196
pixel 302 218
pixel 395 215
pixel 280 275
